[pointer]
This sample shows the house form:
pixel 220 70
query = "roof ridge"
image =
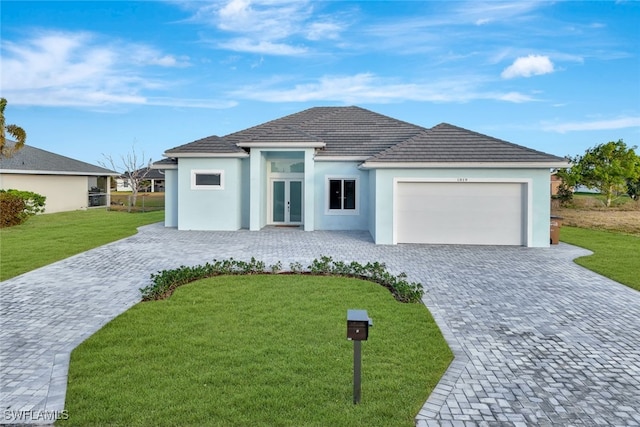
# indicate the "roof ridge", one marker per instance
pixel 267 125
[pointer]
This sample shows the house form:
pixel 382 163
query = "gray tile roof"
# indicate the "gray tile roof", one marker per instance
pixel 357 132
pixel 211 144
pixel 170 161
pixel 447 143
pixel 152 173
pixel 346 131
pixel 31 159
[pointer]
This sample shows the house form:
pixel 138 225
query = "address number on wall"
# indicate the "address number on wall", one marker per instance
pixel 463 179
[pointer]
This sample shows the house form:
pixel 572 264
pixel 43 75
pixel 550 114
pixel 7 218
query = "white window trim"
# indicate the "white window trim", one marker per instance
pixel 195 172
pixel 327 180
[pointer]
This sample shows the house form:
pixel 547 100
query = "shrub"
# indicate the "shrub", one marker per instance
pixel 166 281
pixel 15 213
pixel 565 194
pixel 11 210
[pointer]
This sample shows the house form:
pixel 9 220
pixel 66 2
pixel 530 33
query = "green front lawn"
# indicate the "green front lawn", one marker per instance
pixel 257 350
pixel 44 239
pixel 616 255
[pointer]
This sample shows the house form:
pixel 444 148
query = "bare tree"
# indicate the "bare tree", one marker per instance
pixel 135 170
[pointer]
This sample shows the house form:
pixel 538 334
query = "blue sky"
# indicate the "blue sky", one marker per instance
pixel 91 78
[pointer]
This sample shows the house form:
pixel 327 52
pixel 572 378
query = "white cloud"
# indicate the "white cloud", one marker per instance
pixel 619 123
pixel 79 70
pixel 481 13
pixel 532 65
pixel 262 47
pixel 323 30
pixel 368 88
pixel 267 26
pixel 515 97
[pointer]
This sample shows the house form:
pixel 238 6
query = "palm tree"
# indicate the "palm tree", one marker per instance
pixel 15 131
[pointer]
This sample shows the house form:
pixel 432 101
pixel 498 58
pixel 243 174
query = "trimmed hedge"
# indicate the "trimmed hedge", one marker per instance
pixel 166 281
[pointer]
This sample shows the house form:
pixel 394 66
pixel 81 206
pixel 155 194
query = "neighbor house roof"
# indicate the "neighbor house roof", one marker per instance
pixel 31 160
pixel 152 173
pixel 357 133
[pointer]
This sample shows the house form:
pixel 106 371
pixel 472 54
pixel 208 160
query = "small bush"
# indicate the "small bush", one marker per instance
pixel 166 281
pixel 565 195
pixel 14 212
pixel 11 210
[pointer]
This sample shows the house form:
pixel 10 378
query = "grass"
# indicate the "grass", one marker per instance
pixel 44 239
pixel 144 202
pixel 257 350
pixel 616 255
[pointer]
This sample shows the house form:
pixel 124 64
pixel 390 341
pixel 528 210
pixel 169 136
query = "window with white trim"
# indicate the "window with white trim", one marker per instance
pixel 342 195
pixel 207 180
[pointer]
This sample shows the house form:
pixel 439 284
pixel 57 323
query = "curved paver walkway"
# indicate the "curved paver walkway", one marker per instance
pixel 537 339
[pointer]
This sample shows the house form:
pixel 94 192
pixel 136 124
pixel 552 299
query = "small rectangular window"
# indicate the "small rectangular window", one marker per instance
pixel 207 180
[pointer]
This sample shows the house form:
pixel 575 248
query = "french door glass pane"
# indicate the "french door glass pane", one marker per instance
pixel 278 201
pixel 295 199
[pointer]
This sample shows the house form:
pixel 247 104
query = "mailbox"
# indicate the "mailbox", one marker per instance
pixel 358 323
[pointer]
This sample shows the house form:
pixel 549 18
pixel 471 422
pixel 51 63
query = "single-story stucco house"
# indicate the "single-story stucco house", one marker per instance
pixel 153 178
pixel 348 168
pixel 68 184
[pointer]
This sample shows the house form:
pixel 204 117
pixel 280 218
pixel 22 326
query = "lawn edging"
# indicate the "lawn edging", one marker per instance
pixel 165 282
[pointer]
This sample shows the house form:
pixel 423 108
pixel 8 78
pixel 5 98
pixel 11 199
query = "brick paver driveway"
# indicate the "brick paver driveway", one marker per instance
pixel 538 340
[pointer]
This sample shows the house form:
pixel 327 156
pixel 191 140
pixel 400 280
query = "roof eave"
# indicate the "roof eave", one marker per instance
pixel 44 172
pixel 164 166
pixel 458 165
pixel 209 155
pixel 318 158
pixel 281 144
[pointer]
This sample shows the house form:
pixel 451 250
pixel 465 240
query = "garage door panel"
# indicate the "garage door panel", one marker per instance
pixel 460 213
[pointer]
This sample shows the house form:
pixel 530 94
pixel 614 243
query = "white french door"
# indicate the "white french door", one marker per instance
pixel 286 201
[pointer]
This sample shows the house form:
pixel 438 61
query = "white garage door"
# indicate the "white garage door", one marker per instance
pixel 460 213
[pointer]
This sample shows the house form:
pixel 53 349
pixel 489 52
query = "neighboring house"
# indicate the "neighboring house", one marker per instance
pixel 584 189
pixel 347 168
pixel 154 180
pixel 68 184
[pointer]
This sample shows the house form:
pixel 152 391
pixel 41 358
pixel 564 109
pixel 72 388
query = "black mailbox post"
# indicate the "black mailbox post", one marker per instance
pixel 358 324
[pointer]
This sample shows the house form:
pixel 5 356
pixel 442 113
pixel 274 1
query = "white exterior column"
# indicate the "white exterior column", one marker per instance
pixel 108 198
pixel 255 178
pixel 309 189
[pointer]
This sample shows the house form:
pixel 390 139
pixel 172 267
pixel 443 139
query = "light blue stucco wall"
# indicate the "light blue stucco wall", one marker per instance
pixel 206 209
pixel 171 198
pixel 372 203
pixel 331 221
pixel 245 199
pixel 381 226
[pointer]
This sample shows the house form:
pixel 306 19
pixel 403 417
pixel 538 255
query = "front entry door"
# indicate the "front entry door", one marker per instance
pixel 286 201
